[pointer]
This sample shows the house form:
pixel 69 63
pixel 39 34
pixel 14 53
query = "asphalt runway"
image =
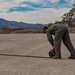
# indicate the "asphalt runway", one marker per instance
pixel 27 54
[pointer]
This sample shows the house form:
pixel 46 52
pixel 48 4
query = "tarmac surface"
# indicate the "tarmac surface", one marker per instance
pixel 27 54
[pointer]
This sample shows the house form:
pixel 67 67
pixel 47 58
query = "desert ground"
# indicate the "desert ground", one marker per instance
pixel 27 54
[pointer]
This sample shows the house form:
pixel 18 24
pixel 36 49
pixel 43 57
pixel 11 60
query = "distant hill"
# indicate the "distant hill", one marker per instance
pixel 15 24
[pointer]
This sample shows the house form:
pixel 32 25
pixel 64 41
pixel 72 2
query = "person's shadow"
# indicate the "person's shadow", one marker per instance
pixel 23 56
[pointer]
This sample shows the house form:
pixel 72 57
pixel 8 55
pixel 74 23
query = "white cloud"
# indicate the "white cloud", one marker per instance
pixel 5 5
pixel 42 15
pixel 45 15
pixel 18 1
pixel 70 1
pixel 24 5
pixel 54 1
pixel 43 1
pixel 35 1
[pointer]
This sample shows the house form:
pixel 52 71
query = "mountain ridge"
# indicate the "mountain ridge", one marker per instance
pixel 16 24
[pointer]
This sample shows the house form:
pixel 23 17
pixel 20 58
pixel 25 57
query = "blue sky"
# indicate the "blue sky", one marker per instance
pixel 34 11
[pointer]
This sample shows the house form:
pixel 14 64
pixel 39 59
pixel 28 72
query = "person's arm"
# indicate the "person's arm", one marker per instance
pixel 49 35
pixel 50 39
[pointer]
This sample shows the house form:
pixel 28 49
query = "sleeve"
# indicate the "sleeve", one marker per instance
pixel 49 35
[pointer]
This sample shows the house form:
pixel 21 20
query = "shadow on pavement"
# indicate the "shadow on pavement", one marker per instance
pixel 23 56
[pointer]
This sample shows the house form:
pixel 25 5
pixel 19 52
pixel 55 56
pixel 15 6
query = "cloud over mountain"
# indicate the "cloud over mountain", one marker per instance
pixel 34 11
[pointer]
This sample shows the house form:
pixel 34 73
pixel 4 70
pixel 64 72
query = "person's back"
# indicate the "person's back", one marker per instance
pixel 55 27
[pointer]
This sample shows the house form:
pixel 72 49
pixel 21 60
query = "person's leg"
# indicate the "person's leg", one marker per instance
pixel 57 45
pixel 67 43
pixel 57 42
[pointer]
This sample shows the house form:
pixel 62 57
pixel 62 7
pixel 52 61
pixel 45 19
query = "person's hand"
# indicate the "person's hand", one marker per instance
pixel 52 48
